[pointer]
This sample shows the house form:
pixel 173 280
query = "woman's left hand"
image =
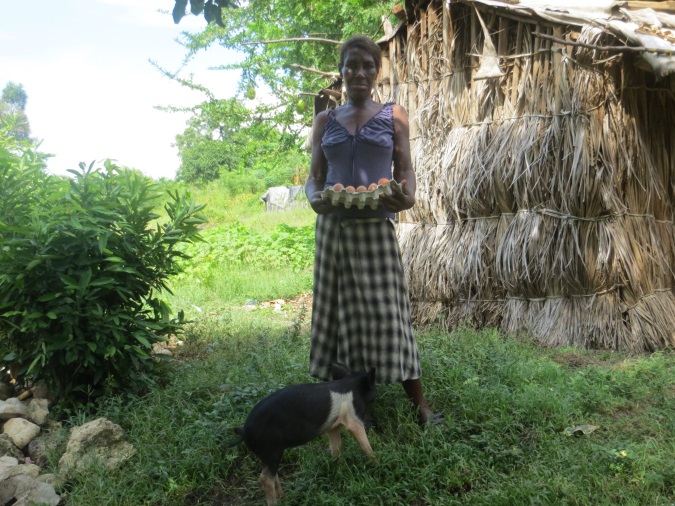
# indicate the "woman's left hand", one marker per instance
pixel 400 200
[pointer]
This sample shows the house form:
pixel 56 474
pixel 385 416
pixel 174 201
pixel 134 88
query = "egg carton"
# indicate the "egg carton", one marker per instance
pixel 360 199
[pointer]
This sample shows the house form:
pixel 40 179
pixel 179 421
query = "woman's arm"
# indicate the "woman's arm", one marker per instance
pixel 318 168
pixel 403 170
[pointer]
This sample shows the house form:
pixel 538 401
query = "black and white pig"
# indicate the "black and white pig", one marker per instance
pixel 297 414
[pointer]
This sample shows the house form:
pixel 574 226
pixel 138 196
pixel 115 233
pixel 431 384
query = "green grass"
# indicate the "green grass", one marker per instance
pixel 224 288
pixel 509 404
pixel 213 279
pixel 221 207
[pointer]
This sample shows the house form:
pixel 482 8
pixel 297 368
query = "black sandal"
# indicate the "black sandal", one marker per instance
pixel 433 419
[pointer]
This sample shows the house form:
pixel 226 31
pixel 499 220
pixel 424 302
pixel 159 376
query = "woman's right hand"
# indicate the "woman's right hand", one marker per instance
pixel 319 204
pixel 318 168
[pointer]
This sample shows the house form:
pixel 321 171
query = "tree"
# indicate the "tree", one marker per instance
pixel 82 263
pixel 279 39
pixel 13 110
pixel 225 136
pixel 15 96
pixel 23 181
pixel 212 9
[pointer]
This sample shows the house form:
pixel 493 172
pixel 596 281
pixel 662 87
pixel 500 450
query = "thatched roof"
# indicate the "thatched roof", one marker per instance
pixel 544 145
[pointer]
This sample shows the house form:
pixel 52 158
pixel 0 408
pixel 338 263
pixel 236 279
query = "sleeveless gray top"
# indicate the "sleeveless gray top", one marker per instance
pixel 360 159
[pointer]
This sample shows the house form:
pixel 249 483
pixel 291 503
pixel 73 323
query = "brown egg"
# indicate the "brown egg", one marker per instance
pixel 372 187
pixel 338 186
pixel 361 189
pixel 350 189
pixel 383 181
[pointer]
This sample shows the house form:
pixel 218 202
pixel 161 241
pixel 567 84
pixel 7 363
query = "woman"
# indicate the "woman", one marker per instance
pixel 361 308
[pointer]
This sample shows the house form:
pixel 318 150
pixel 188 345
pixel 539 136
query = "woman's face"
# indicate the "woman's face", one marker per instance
pixel 359 72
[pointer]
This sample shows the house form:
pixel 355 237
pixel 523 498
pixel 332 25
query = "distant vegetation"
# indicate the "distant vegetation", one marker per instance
pixel 82 262
pixel 245 254
pixel 289 53
pixel 525 425
pixel 87 262
pixel 97 268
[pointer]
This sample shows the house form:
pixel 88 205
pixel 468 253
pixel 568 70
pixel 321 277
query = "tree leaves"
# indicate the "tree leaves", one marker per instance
pixel 259 31
pixel 212 9
pixel 79 276
pixel 13 111
pixel 179 10
pixel 225 136
pixel 196 6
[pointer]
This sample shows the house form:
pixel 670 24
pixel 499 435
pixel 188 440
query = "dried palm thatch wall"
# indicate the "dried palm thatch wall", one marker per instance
pixel 545 196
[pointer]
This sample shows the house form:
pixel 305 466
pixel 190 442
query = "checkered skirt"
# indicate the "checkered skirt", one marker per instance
pixel 361 307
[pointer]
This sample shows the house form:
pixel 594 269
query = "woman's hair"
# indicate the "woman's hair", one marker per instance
pixel 361 42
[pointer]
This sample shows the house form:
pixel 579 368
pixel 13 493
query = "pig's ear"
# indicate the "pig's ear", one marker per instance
pixel 339 371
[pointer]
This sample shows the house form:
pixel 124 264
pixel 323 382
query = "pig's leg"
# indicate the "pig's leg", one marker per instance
pixel 269 478
pixel 268 484
pixel 359 432
pixel 277 486
pixel 335 440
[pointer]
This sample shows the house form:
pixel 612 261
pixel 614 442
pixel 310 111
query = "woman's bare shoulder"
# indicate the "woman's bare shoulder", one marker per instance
pixel 322 117
pixel 398 109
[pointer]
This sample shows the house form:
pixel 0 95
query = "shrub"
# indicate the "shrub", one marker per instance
pixel 234 245
pixel 238 182
pixel 23 182
pixel 78 284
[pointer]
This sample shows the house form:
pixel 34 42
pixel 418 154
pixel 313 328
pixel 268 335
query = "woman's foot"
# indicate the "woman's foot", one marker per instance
pixel 430 418
pixel 425 417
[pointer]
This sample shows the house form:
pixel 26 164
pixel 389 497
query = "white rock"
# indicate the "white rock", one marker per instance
pixel 50 479
pixel 159 349
pixel 21 431
pixel 28 492
pixel 12 408
pixel 30 470
pixel 9 469
pixel 7 490
pixel 8 448
pixel 38 410
pixel 6 464
pixel 99 441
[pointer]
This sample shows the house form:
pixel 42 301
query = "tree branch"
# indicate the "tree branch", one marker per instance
pixel 635 49
pixel 332 75
pixel 332 93
pixel 299 39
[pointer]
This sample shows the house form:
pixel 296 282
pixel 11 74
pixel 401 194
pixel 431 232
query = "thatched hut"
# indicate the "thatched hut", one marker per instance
pixel 544 145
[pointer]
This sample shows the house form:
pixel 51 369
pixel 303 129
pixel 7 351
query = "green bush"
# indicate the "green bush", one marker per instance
pixel 233 245
pixel 236 183
pixel 78 282
pixel 23 182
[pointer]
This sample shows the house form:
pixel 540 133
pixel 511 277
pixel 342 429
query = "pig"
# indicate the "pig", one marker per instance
pixel 297 414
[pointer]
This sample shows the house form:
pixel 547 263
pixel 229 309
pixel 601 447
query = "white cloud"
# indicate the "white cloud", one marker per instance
pixel 91 110
pixel 96 112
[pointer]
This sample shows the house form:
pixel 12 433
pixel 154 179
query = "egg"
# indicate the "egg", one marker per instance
pixel 338 186
pixel 350 189
pixel 361 189
pixel 372 187
pixel 383 181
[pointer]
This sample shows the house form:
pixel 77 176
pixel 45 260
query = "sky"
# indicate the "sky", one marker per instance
pixel 91 89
